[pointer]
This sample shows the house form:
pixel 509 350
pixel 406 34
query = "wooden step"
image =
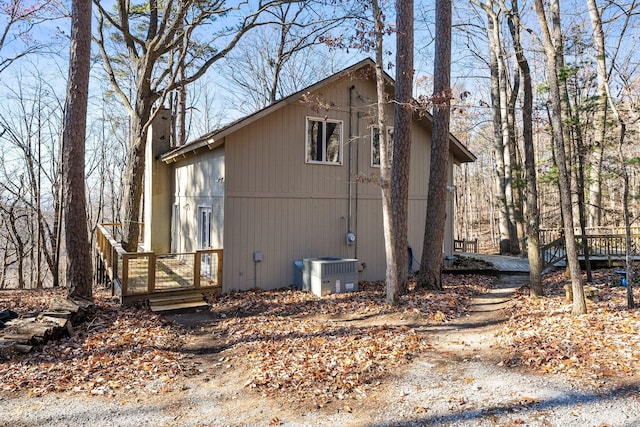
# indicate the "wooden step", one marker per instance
pixel 177 303
pixel 178 307
pixel 174 299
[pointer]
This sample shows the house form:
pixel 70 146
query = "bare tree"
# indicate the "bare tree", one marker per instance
pixel 402 120
pixel 504 146
pixel 30 122
pixel 152 45
pixel 79 268
pixel 385 162
pixel 553 46
pixel 532 212
pixel 285 56
pixel 369 35
pixel 18 18
pixel 15 218
pixel 431 264
pixel 604 86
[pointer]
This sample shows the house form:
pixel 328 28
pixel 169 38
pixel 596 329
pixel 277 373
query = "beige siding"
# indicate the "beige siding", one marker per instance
pixel 199 183
pixel 277 204
pixel 287 209
pixel 282 230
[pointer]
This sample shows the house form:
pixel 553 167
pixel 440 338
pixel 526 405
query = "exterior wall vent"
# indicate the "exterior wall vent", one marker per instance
pixel 324 276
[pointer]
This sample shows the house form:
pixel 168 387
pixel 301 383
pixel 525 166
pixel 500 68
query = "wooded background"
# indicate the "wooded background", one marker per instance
pixel 212 63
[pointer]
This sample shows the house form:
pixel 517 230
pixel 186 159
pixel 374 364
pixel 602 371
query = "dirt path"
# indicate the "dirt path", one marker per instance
pixel 461 382
pixel 475 332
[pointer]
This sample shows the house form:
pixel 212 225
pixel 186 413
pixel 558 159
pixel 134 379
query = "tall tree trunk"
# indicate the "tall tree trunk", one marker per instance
pixel 133 177
pixel 507 147
pixel 595 188
pixel 79 268
pixel 500 135
pixel 553 51
pixel 580 181
pixel 516 210
pixel 431 263
pixel 391 281
pixel 58 224
pixel 532 212
pixel 403 119
pixel 626 213
pixel 603 84
pixel 595 178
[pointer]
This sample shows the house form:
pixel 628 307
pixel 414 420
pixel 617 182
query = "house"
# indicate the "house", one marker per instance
pixel 291 181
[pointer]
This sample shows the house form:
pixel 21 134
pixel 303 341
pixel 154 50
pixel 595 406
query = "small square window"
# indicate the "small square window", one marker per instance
pixel 324 141
pixel 375 146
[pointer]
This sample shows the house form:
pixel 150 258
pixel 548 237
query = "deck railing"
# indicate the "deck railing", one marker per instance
pixel 548 235
pixel 465 245
pixel 610 246
pixel 142 273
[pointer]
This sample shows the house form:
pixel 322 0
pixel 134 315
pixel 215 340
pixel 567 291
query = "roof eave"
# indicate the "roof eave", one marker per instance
pixel 197 144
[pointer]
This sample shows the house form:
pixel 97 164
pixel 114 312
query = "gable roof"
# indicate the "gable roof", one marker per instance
pixel 216 138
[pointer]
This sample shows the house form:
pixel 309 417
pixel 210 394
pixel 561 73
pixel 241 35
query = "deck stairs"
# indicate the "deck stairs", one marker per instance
pixel 180 303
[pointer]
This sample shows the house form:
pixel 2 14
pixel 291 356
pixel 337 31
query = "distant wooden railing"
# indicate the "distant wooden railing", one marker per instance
pixel 134 273
pixel 548 235
pixel 598 245
pixel 552 253
pixel 465 245
pixel 608 244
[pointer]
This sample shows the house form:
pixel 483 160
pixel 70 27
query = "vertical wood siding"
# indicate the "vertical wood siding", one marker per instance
pixel 277 204
pixel 198 184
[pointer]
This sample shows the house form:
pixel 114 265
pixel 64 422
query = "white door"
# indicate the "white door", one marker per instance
pixel 204 238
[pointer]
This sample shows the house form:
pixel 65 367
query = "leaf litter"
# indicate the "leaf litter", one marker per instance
pixel 288 340
pixel 298 347
pixel 338 346
pixel 117 349
pixel 597 348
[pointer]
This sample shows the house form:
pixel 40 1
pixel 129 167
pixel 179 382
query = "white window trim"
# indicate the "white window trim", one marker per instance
pixel 374 128
pixel 201 209
pixel 175 228
pixel 306 141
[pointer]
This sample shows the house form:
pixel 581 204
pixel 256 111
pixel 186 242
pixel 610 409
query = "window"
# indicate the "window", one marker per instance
pixel 175 226
pixel 204 227
pixel 324 141
pixel 375 145
pixel 204 238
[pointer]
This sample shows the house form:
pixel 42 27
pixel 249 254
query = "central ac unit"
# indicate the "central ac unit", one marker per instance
pixel 324 276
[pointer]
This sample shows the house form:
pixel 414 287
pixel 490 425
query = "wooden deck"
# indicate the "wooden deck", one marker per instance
pixel 603 250
pixel 606 249
pixel 506 264
pixel 136 276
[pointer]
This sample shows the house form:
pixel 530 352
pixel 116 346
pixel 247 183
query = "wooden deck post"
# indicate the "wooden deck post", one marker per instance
pixel 151 283
pixel 125 274
pixel 197 258
pixel 219 272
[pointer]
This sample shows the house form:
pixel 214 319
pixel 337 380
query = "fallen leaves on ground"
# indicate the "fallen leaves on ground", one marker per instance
pixel 291 342
pixel 368 301
pixel 29 301
pixel 118 349
pixel 543 334
pixel 320 348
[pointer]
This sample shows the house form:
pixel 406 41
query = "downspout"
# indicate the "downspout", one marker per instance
pixel 356 182
pixel 351 182
pixel 350 167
